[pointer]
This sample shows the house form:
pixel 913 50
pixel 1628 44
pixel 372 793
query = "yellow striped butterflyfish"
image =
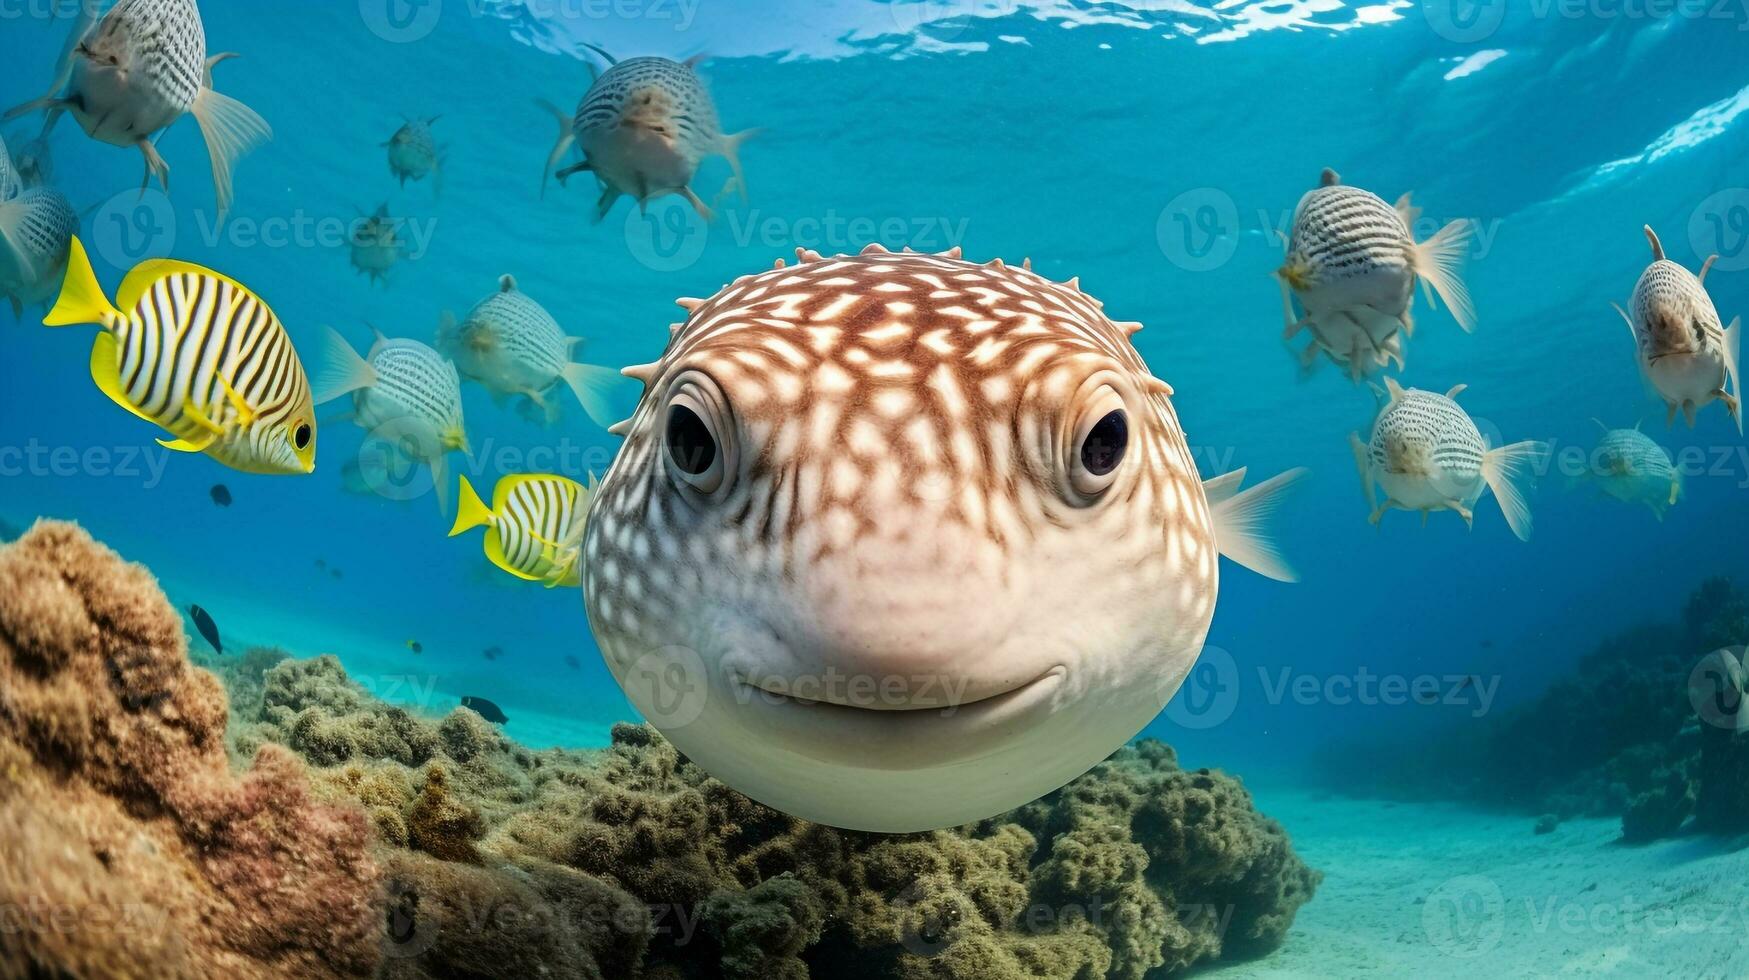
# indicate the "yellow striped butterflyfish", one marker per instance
pixel 534 527
pixel 198 354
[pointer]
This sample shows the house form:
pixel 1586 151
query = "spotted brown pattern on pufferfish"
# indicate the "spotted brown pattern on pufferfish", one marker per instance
pixel 870 467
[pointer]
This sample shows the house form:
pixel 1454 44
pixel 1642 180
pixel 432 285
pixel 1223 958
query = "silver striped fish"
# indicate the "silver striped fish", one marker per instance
pixel 1426 454
pixel 140 68
pixel 413 152
pixel 644 126
pixel 534 526
pixel 1628 466
pixel 200 355
pixel 1686 351
pixel 405 394
pixel 925 477
pixel 36 234
pixel 511 345
pixel 1353 262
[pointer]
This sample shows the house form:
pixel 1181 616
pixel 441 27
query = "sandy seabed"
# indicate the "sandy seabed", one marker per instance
pixel 1438 890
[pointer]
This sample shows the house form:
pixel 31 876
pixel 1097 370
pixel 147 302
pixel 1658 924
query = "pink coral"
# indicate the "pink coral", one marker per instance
pixel 121 823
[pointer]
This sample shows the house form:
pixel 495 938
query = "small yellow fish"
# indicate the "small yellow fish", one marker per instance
pixel 535 526
pixel 200 355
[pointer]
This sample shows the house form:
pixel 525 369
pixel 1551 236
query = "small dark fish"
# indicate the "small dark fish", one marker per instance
pixel 485 709
pixel 336 573
pixel 573 663
pixel 1464 684
pixel 209 630
pixel 415 646
pixel 493 653
pixel 1487 644
pixel 221 495
pixel 321 564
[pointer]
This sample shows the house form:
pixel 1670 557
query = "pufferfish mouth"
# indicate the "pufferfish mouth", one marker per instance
pixel 901 735
pixel 893 695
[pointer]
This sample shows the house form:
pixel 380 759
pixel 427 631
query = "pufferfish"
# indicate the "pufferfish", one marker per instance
pixel 141 67
pixel 376 244
pixel 897 541
pixel 511 345
pixel 644 125
pixel 1628 466
pixel 414 154
pixel 197 353
pixel 1427 454
pixel 1690 357
pixel 1353 262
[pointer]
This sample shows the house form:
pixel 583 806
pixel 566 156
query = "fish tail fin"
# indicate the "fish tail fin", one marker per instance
pixel 343 371
pixel 1510 472
pixel 566 137
pixel 471 511
pixel 1239 526
pixel 1733 350
pixel 591 383
pixel 230 129
pixel 82 299
pixel 1439 260
pixel 730 148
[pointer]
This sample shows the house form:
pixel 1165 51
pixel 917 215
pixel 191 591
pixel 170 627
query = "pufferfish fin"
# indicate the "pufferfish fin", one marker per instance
pixel 1364 465
pixel 1393 391
pixel 1222 487
pixel 1239 527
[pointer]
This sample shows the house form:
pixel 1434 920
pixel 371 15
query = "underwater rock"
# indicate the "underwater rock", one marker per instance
pixel 1137 868
pixel 520 920
pixel 1717 692
pixel 488 859
pixel 1604 741
pixel 441 825
pixel 1659 811
pixel 119 810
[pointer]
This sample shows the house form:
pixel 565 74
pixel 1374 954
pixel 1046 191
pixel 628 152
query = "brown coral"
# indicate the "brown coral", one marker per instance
pixel 121 822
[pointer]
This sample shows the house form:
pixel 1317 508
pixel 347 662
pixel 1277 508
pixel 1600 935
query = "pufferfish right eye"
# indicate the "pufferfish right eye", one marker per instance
pixel 697 440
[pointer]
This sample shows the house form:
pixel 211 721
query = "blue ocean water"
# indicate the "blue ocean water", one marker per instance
pixel 1150 149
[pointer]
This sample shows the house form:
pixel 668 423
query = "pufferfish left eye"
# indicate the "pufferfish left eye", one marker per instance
pixel 301 436
pixel 1097 445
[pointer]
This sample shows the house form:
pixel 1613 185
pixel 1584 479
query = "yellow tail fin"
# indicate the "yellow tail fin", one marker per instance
pixel 472 512
pixel 82 299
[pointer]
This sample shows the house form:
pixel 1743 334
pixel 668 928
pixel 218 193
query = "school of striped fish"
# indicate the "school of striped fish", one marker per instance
pixel 826 456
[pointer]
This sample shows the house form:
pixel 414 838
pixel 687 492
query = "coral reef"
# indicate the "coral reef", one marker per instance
pixel 126 837
pixel 1139 868
pixel 416 847
pixel 1650 727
